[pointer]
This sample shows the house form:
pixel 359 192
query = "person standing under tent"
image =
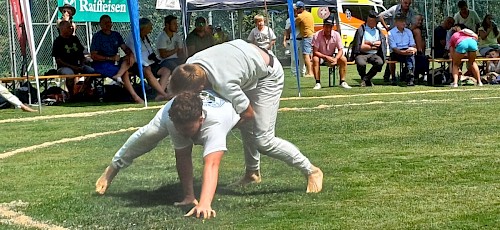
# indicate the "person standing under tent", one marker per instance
pixel 262 36
pixel 287 42
pixel 253 85
pixel 11 98
pixel 67 11
pixel 305 22
pixel 467 17
pixel 200 38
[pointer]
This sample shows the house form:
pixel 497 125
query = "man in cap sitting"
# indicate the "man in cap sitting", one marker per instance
pixel 328 49
pixel 402 47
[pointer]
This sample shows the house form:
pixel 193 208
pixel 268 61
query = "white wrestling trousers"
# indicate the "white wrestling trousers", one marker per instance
pixel 265 100
pixel 5 93
pixel 142 141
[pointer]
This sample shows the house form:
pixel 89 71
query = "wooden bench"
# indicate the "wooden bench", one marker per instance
pixel 482 67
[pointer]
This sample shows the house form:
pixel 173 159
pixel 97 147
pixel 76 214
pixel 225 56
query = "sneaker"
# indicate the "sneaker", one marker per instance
pixel 410 83
pixel 480 84
pixel 454 85
pixel 363 83
pixel 345 85
pixel 317 86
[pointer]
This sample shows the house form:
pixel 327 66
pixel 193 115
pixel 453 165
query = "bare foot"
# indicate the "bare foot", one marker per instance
pixel 250 177
pixel 105 180
pixel 187 201
pixel 315 181
pixel 26 108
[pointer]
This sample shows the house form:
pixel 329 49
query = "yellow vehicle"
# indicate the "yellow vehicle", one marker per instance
pixel 351 14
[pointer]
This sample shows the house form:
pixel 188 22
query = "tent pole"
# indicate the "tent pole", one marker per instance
pixel 232 24
pixel 240 22
pixel 432 49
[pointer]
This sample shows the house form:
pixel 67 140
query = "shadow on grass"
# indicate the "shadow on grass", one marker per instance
pixel 168 194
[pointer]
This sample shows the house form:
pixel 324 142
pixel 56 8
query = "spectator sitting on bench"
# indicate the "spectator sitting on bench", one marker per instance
pixel 440 32
pixel 369 46
pixel 105 56
pixel 489 36
pixel 403 48
pixel 492 68
pixel 325 42
pixel 170 45
pixel 420 35
pixel 68 52
pixel 150 63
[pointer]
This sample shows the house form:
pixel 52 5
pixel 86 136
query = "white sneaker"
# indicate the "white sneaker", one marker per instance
pixel 317 86
pixel 454 85
pixel 345 85
pixel 480 84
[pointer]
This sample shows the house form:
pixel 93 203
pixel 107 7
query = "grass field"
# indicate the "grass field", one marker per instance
pixel 393 158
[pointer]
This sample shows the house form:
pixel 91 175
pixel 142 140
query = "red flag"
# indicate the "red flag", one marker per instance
pixel 17 14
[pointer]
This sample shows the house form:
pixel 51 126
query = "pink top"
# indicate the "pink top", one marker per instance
pixel 327 47
pixel 457 37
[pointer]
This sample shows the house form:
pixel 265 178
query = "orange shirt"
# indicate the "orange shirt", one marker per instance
pixel 305 21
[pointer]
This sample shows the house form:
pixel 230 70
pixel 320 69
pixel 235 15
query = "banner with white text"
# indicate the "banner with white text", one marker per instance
pixel 92 10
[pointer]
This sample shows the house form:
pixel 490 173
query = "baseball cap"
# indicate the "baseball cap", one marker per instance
pixel 300 4
pixel 329 21
pixel 400 17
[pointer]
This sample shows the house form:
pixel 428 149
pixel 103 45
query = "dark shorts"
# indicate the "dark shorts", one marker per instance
pixel 170 64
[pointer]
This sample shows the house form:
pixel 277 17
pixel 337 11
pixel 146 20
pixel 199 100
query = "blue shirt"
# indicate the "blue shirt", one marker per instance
pixel 371 35
pixel 106 45
pixel 401 40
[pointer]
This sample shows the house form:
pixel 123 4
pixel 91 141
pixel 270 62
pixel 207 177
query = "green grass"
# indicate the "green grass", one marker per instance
pixel 409 161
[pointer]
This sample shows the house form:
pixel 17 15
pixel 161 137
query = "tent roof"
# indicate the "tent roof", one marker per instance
pixel 199 5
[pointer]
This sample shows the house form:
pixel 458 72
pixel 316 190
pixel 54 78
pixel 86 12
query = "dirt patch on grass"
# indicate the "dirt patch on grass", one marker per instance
pixel 10 215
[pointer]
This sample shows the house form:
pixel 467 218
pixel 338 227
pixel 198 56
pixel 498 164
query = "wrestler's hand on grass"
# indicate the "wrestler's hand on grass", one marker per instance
pixel 202 211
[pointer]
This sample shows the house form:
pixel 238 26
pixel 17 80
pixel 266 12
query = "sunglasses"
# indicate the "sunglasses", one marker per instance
pixel 67 11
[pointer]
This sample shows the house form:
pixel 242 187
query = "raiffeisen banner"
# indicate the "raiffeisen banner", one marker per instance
pixel 92 10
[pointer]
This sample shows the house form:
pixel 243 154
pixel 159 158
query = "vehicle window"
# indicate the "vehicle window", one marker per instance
pixel 380 9
pixel 357 11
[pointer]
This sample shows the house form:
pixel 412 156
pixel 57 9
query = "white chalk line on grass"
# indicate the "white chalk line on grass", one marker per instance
pixel 74 115
pixel 64 140
pixel 384 94
pixel 361 104
pixel 8 216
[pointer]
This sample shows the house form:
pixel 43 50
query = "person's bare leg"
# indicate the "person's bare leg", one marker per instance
pixel 315 181
pixel 155 84
pixel 250 177
pixel 164 74
pixel 128 86
pixel 105 180
pixel 316 68
pixel 308 62
pixel 124 68
pixel 474 68
pixel 456 59
pixel 342 63
pixel 392 68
